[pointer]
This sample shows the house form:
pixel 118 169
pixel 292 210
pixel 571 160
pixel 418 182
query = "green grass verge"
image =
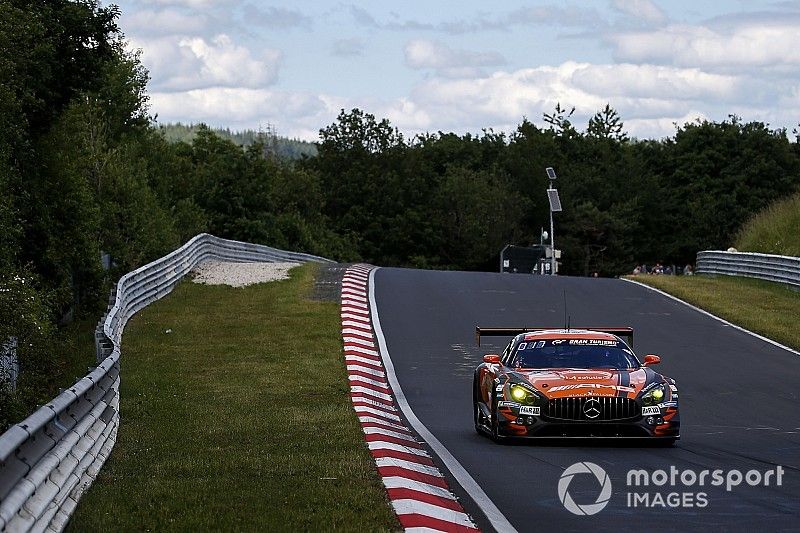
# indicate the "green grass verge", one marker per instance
pixel 237 420
pixel 774 230
pixel 767 308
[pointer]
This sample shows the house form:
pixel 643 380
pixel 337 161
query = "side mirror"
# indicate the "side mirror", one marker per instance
pixel 651 360
pixel 491 358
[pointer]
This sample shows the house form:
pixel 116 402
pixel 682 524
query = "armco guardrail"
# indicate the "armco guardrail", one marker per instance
pixel 780 268
pixel 49 459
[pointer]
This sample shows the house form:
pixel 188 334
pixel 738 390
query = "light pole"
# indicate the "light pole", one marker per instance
pixel 555 206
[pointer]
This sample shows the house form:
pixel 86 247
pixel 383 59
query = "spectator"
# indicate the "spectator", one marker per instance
pixel 637 270
pixel 687 270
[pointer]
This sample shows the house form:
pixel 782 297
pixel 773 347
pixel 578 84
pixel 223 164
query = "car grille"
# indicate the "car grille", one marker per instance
pixel 605 408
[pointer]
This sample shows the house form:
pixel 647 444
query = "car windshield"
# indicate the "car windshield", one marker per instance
pixel 574 353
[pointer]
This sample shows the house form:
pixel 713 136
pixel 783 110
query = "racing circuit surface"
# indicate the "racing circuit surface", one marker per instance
pixel 739 398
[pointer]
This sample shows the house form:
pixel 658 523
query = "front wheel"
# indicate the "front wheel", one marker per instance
pixel 478 416
pixel 495 420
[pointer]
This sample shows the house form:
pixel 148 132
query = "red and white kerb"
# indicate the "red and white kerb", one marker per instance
pixel 417 489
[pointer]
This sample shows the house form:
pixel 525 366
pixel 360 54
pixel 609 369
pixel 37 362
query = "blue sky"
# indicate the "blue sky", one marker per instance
pixel 464 65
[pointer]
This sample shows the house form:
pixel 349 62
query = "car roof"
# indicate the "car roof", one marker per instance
pixel 569 334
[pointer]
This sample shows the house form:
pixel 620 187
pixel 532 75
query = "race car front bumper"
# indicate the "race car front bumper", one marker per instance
pixel 660 421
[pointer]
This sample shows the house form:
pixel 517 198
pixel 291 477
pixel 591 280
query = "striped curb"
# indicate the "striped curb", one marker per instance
pixel 416 488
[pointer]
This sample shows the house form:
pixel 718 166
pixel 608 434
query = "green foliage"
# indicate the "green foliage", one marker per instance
pixel 25 315
pixel 774 230
pixel 449 201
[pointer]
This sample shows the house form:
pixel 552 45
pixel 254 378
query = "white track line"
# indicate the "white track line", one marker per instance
pixel 715 317
pixel 493 514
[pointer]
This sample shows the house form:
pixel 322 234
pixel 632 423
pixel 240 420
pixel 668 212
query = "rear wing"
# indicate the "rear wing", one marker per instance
pixel 626 332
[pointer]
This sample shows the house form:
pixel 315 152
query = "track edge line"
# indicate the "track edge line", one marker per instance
pixel 470 486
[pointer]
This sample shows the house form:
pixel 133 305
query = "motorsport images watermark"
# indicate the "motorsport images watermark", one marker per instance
pixel 664 489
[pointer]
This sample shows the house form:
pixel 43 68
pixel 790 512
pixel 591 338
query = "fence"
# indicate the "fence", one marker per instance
pixel 780 268
pixel 48 460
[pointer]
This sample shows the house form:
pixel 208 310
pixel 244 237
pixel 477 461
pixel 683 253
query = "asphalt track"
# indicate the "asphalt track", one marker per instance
pixel 740 400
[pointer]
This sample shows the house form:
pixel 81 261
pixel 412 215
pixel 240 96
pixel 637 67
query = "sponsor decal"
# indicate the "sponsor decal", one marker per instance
pixel 592 386
pixel 539 344
pixel 529 410
pixel 498 388
pixel 587 376
pixel 652 410
pixel 508 404
pixel 591 342
pixel 522 346
pixel 558 341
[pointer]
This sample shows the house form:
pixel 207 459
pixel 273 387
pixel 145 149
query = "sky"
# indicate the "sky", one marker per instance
pixel 464 66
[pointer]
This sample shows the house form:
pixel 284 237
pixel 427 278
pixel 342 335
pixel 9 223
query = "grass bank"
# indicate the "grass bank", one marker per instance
pixel 236 417
pixel 767 308
pixel 774 230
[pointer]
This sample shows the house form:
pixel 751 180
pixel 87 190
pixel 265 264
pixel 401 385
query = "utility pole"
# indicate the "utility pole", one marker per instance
pixel 555 207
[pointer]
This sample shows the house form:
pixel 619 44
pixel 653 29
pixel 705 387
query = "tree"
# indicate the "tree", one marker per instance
pixel 606 124
pixel 559 121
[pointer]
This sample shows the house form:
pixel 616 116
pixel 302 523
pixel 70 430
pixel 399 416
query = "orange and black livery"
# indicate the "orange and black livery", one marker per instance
pixel 576 382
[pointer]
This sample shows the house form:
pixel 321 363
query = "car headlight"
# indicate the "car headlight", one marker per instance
pixel 523 395
pixel 655 395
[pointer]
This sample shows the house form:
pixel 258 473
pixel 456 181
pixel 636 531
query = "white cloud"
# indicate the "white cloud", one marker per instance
pixel 642 10
pixel 182 63
pixel 167 21
pixel 295 115
pixel 650 100
pixel 762 45
pixel 425 54
pixel 654 81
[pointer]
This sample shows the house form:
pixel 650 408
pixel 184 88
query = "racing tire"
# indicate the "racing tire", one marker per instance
pixel 476 409
pixel 477 416
pixel 496 436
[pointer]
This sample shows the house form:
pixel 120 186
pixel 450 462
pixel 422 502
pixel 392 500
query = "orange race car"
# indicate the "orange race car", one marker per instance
pixel 583 382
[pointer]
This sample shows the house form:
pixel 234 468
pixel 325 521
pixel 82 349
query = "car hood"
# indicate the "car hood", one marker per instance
pixel 561 383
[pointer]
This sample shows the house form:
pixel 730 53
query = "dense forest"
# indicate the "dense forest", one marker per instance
pixel 85 171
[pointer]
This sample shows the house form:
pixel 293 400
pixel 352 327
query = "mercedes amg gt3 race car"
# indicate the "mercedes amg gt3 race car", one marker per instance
pixel 572 383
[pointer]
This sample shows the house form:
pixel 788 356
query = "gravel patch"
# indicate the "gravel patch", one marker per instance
pixel 240 274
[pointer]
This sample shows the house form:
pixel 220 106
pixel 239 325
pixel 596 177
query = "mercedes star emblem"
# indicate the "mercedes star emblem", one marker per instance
pixel 591 408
